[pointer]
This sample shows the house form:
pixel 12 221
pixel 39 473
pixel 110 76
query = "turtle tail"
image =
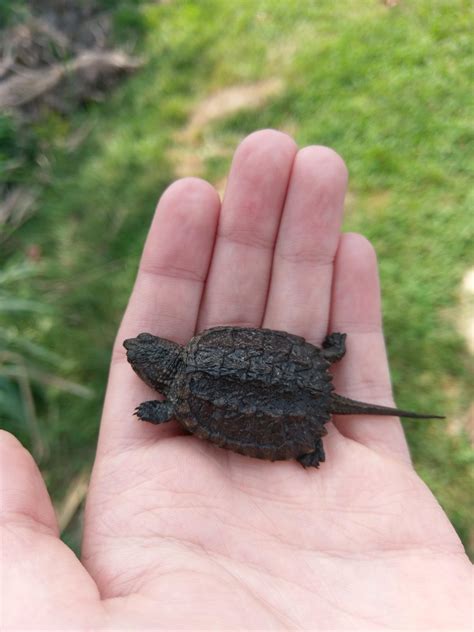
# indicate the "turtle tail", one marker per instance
pixel 340 405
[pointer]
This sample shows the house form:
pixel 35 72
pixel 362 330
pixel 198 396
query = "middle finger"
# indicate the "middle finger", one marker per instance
pixel 237 284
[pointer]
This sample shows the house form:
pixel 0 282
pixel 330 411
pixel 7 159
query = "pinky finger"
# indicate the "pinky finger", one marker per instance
pixel 363 374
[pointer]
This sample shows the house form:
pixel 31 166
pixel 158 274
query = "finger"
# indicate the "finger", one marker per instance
pixel 23 494
pixel 164 301
pixel 300 290
pixel 237 285
pixel 363 373
pixel 36 566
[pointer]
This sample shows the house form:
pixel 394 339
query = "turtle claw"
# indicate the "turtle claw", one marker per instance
pixel 154 411
pixel 313 459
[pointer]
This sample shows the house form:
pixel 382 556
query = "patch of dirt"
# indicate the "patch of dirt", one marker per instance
pixel 374 203
pixel 463 421
pixel 469 423
pixel 190 151
pixel 350 202
pixel 58 58
pixel 462 316
pixel 465 317
pixel 61 85
pixel 228 101
pixel 378 200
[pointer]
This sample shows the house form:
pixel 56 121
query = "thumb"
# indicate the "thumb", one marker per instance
pixel 24 499
pixel 41 578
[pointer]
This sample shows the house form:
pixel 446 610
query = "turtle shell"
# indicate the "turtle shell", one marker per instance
pixel 259 392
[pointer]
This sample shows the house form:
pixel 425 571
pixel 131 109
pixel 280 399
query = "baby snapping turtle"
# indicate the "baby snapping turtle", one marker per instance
pixel 259 392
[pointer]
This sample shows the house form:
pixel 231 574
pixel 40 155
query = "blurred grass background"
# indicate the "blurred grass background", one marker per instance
pixel 387 85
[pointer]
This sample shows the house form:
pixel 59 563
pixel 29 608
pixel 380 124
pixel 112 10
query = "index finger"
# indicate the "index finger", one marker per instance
pixel 165 301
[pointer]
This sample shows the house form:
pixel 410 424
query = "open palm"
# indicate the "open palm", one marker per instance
pixel 180 534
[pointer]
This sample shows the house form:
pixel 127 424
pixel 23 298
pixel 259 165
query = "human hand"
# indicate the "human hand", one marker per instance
pixel 180 534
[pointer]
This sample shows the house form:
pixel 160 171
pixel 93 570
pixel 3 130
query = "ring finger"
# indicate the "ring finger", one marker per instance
pixel 300 291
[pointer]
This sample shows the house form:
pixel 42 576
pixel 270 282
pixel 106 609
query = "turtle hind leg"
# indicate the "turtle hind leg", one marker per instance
pixel 313 459
pixel 334 347
pixel 155 412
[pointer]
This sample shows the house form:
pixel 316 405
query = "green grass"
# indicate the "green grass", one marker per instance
pixel 389 89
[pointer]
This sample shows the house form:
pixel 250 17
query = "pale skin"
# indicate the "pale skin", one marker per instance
pixel 180 534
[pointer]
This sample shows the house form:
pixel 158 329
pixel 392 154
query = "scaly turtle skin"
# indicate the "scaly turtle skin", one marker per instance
pixel 263 393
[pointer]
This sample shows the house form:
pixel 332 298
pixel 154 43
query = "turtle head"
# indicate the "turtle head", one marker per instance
pixel 155 360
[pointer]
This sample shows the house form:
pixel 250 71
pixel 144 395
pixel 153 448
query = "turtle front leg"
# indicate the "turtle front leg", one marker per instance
pixel 155 412
pixel 334 347
pixel 313 459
